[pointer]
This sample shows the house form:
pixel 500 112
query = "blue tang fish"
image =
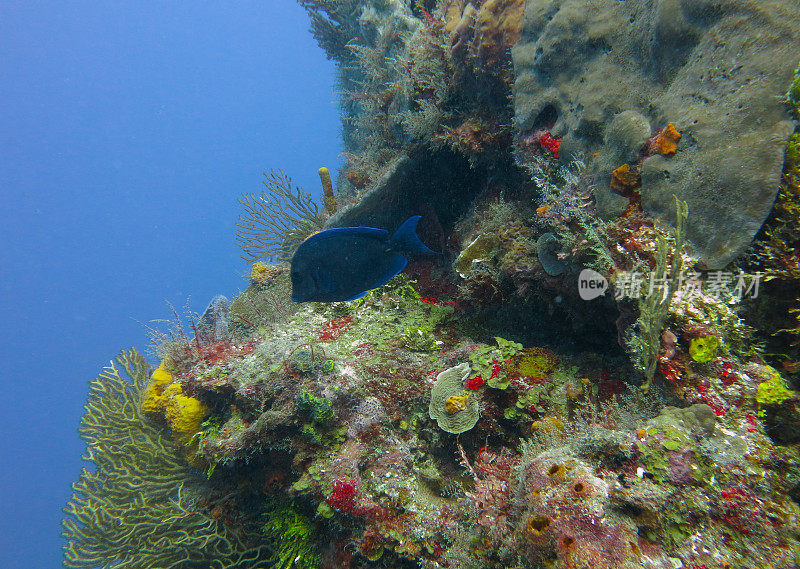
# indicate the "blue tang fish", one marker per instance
pixel 345 262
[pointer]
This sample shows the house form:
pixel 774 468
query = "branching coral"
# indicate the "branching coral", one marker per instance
pixel 275 223
pixel 332 24
pixel 430 67
pixel 138 507
pixel 375 102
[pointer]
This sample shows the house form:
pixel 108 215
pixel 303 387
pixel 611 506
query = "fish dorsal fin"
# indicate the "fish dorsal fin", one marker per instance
pixel 405 239
pixel 356 297
pixel 373 232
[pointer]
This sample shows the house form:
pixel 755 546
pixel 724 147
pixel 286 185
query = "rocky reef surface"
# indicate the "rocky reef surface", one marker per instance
pixel 565 385
pixel 391 439
pixel 604 76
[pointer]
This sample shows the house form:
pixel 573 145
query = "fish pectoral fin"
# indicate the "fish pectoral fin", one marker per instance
pixel 398 264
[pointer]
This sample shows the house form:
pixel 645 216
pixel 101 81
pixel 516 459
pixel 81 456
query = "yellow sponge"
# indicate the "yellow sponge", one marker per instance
pixel 151 397
pixel 184 414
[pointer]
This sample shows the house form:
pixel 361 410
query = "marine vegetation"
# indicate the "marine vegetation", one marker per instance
pixel 598 370
pixel 292 532
pixel 275 223
pixel 644 338
pixel 139 504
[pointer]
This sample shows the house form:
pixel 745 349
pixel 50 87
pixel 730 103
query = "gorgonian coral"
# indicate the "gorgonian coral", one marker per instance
pixel 139 506
pixel 275 223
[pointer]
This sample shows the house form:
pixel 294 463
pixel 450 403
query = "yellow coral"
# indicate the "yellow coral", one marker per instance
pixel 456 403
pixel 773 391
pixel 548 423
pixel 151 401
pixel 537 363
pixel 184 414
pixel 704 348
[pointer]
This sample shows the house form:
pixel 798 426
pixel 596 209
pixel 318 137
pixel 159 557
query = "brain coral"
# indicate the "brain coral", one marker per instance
pixel 448 406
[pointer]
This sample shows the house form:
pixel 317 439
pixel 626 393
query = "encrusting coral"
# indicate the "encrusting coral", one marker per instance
pixel 450 404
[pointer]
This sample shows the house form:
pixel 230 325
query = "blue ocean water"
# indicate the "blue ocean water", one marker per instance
pixel 127 130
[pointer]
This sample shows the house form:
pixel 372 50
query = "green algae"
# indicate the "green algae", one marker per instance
pixel 773 391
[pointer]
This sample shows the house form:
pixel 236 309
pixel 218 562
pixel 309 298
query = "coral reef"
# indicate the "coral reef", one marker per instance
pixel 141 505
pixel 566 385
pixel 453 452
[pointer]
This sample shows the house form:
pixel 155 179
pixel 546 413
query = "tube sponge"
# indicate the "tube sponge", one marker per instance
pixel 327 191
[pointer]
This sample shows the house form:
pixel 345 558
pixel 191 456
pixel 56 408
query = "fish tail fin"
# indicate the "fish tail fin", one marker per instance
pixel 405 239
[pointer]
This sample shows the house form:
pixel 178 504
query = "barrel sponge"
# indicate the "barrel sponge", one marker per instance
pixel 449 386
